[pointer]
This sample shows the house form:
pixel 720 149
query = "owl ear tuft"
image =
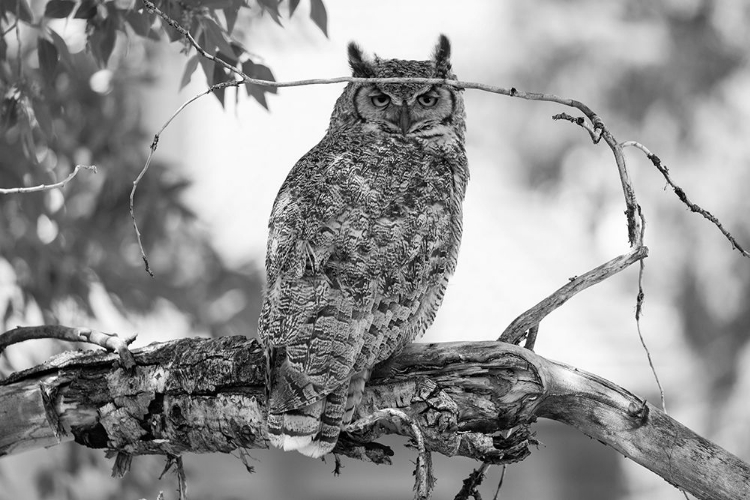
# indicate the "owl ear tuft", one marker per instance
pixel 442 57
pixel 361 67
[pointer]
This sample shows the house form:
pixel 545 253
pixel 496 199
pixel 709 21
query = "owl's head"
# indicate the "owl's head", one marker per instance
pixel 432 112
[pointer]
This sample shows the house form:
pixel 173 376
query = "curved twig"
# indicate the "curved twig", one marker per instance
pixel 184 32
pixel 109 341
pixel 48 187
pixel 500 482
pixel 519 326
pixel 639 311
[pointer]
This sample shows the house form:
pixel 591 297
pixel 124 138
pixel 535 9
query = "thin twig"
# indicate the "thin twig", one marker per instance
pixel 597 131
pixel 532 317
pixel 471 483
pixel 244 455
pixel 132 200
pixel 48 187
pixel 109 341
pixel 595 134
pixel 639 310
pixel 683 197
pixel 154 9
pixel 631 204
pixel 152 150
pixel 424 481
pixel 167 465
pixel 181 479
pixel 499 483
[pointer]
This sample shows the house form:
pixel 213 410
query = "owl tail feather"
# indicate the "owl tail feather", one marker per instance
pixel 314 429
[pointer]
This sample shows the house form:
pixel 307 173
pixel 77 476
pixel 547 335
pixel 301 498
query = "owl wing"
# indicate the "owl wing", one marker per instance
pixel 307 316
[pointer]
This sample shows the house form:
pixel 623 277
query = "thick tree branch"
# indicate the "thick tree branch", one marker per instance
pixel 202 395
pixel 643 433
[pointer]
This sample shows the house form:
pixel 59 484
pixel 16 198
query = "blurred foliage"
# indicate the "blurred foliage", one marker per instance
pixel 678 64
pixel 63 106
pixel 691 53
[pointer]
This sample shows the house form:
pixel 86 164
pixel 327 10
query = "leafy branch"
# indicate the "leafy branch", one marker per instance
pixel 24 106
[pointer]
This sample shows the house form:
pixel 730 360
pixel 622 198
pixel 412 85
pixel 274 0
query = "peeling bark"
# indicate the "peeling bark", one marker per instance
pixel 473 399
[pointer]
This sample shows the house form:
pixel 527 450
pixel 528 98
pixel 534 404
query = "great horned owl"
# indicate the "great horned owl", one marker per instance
pixel 363 237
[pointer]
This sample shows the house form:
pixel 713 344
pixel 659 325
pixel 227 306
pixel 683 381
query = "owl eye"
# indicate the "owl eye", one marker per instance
pixel 380 100
pixel 427 100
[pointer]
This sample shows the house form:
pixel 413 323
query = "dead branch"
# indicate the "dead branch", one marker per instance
pixel 471 483
pixel 683 197
pixel 109 341
pixel 519 326
pixel 184 32
pixel 48 187
pixel 198 395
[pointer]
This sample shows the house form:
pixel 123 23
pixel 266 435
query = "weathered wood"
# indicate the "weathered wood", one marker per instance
pixel 24 422
pixel 517 329
pixel 643 433
pixel 203 395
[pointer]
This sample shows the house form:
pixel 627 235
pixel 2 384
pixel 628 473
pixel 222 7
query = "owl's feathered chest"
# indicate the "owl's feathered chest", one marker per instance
pixel 391 178
pixel 387 210
pixel 381 175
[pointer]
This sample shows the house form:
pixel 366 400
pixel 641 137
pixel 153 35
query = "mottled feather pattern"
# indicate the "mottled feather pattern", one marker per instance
pixel 363 236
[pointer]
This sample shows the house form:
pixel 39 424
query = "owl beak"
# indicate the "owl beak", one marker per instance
pixel 404 119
